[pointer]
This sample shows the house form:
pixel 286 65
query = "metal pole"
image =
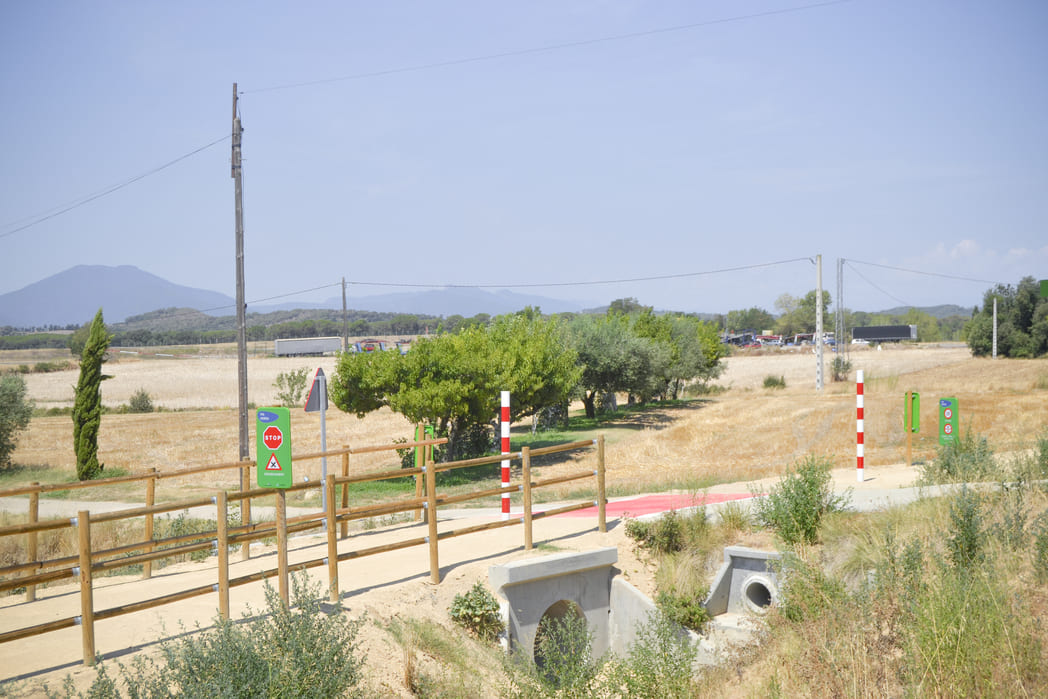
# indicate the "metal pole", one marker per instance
pixel 995 327
pixel 238 195
pixel 345 319
pixel 818 323
pixel 323 438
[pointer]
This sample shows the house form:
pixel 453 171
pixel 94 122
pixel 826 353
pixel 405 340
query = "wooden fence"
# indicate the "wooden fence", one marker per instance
pixel 334 520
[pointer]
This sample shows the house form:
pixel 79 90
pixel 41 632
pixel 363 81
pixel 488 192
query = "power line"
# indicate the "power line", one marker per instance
pixel 111 189
pixel 929 274
pixel 546 49
pixel 684 275
pixel 865 279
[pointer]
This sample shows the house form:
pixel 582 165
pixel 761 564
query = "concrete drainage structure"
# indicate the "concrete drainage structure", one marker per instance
pixel 585 585
pixel 746 582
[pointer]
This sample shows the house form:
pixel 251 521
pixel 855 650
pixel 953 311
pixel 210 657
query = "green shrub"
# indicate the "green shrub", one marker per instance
pixel 302 651
pixel 658 663
pixel 291 387
pixel 965 459
pixel 1040 547
pixel 965 544
pixel 140 402
pixel 684 610
pixel 15 412
pixel 795 507
pixel 478 612
pixel 564 655
pixel 663 535
pixel 806 591
pixel 775 382
pixel 840 368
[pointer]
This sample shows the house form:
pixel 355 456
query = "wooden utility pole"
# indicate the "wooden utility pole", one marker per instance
pixel 345 319
pixel 241 306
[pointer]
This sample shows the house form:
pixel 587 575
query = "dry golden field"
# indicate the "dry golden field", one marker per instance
pixel 744 433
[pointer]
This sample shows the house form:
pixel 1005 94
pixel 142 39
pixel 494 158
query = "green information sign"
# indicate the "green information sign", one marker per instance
pixel 911 412
pixel 948 421
pixel 273 446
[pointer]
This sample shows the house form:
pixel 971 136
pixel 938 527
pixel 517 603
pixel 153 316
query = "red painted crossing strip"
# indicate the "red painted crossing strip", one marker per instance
pixel 649 504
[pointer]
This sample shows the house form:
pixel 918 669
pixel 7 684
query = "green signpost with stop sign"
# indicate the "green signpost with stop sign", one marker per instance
pixel 273 448
pixel 947 421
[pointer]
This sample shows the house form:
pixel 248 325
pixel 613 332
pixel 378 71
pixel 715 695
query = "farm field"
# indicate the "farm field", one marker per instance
pixel 743 432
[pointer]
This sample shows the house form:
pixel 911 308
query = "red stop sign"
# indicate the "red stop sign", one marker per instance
pixel 273 437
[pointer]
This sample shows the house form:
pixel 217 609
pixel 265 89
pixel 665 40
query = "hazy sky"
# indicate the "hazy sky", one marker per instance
pixel 540 142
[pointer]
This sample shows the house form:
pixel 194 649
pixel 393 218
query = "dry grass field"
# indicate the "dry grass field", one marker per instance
pixel 743 433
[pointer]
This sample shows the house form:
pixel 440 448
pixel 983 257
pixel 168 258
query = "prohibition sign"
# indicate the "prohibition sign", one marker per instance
pixel 272 437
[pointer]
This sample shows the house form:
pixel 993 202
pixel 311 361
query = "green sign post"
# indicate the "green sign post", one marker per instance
pixel 948 420
pixel 273 447
pixel 911 421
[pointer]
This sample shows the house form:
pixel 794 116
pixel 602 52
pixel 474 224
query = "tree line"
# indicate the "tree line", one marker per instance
pixel 453 380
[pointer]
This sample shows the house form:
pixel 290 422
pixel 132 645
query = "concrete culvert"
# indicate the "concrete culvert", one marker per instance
pixel 758 592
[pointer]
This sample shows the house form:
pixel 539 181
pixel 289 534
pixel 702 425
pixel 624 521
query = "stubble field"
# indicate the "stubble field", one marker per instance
pixel 744 432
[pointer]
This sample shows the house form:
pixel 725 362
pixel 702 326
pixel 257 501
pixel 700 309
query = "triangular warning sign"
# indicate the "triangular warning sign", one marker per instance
pixel 273 464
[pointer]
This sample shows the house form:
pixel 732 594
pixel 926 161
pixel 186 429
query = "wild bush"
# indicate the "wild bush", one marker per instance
pixel 840 369
pixel 683 609
pixel 775 382
pixel 795 507
pixel 478 612
pixel 291 387
pixel 966 459
pixel 297 651
pixel 140 402
pixel 966 543
pixel 15 412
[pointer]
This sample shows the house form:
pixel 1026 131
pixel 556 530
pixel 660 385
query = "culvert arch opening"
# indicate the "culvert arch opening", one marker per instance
pixel 759 593
pixel 562 636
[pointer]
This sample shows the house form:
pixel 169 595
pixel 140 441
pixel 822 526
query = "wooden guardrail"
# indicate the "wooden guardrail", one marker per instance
pixel 336 516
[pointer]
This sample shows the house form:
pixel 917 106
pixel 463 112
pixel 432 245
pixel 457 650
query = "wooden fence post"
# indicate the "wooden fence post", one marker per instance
pixel 431 519
pixel 282 547
pixel 525 461
pixel 147 567
pixel 345 490
pixel 222 525
pixel 87 608
pixel 332 541
pixel 31 549
pixel 602 500
pixel 420 429
pixel 245 506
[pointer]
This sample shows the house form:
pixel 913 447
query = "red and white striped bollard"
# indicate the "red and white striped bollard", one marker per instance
pixel 504 420
pixel 859 427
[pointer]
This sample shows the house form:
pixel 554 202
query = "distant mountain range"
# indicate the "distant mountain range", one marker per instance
pixel 75 295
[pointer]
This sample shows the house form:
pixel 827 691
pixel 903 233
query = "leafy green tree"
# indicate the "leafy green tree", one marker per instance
pixel 616 360
pixel 78 339
pixel 927 325
pixel 753 318
pixel 15 412
pixel 1022 322
pixel 87 405
pixel 454 380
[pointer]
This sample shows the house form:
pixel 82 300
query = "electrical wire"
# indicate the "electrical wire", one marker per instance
pixel 77 203
pixel 889 295
pixel 545 49
pixel 929 274
pixel 630 280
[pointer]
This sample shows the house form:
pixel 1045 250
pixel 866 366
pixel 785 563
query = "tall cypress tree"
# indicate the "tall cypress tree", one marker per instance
pixel 87 407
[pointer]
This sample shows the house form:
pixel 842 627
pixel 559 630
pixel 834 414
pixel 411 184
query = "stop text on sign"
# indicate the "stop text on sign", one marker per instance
pixel 272 437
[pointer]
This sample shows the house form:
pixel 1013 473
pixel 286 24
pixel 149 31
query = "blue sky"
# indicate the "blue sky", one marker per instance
pixel 905 133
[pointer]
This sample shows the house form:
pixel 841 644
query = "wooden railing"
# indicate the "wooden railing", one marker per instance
pixel 334 520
